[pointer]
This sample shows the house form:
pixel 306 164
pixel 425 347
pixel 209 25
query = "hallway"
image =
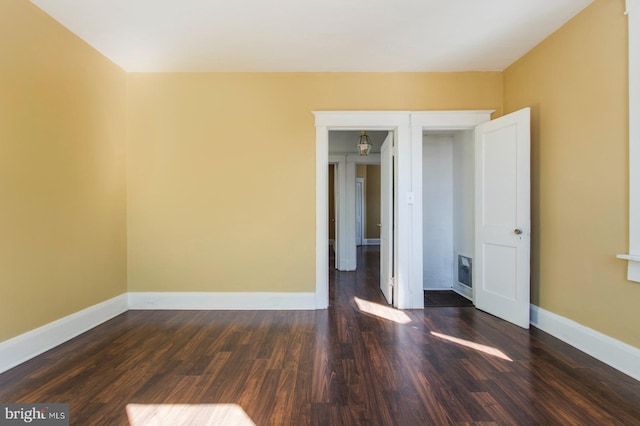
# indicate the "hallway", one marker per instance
pixel 344 286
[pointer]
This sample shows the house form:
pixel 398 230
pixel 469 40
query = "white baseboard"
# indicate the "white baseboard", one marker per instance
pixel 463 290
pixel 19 349
pixel 371 242
pixel 222 301
pixel 31 344
pixel 617 354
pixel 28 345
pixel 346 265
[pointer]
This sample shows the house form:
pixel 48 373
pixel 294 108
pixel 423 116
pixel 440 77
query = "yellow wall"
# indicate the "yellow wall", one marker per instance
pixel 62 172
pixel 576 84
pixel 221 169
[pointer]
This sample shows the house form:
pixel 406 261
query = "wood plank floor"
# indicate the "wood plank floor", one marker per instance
pixel 355 363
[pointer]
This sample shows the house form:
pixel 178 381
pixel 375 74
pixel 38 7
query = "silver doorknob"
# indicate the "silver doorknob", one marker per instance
pixel 517 231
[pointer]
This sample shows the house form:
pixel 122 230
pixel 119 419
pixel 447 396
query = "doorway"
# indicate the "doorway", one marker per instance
pixel 396 122
pixel 447 208
pixel 354 200
pixel 367 207
pixel 360 199
pixel 501 218
pixel 408 128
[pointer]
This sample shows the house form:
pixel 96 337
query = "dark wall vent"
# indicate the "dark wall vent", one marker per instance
pixel 464 270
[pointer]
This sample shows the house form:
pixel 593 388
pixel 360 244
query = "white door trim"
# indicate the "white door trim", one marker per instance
pixel 633 256
pixel 397 121
pixel 408 127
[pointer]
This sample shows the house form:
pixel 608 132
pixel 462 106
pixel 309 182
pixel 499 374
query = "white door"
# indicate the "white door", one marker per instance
pixel 359 211
pixel 386 218
pixel 502 217
pixel 336 201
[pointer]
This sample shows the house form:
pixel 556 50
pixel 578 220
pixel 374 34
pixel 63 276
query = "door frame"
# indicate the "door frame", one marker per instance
pixel 431 121
pixel 344 185
pixel 408 127
pixel 352 161
pixel 396 121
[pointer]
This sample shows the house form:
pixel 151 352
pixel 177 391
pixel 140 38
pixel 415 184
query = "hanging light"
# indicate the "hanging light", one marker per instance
pixel 364 146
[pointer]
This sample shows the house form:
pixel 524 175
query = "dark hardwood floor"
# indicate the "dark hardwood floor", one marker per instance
pixel 359 362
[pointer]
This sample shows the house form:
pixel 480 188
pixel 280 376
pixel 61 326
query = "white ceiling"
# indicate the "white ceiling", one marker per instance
pixel 312 35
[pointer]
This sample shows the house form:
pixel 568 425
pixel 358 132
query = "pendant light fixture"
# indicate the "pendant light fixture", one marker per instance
pixel 364 145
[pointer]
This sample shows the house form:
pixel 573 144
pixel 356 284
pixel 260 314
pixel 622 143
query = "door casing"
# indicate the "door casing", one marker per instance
pixel 408 128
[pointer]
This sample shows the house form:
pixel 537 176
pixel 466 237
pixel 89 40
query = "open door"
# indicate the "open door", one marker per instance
pixel 502 217
pixel 359 211
pixel 386 218
pixel 336 224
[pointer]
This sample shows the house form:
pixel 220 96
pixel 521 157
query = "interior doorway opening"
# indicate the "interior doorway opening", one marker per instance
pixel 360 205
pixel 448 211
pixel 502 180
pixel 354 195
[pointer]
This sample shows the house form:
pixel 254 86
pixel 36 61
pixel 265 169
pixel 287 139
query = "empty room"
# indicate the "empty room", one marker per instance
pixel 232 212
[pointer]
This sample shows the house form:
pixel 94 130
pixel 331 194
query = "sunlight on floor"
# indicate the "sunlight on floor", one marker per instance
pixel 187 414
pixel 381 311
pixel 478 347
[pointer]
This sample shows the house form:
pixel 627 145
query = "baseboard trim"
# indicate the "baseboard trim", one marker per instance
pixel 463 290
pixel 617 354
pixel 346 265
pixel 222 301
pixel 22 348
pixel 371 242
pixel 19 349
